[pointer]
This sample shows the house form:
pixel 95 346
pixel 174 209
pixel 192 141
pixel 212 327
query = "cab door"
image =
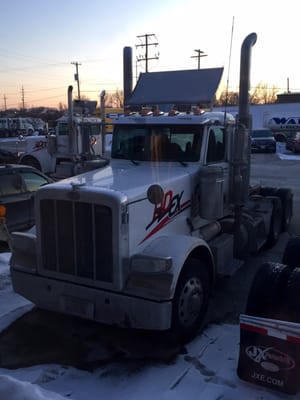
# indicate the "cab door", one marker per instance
pixel 32 182
pixel 217 157
pixel 15 199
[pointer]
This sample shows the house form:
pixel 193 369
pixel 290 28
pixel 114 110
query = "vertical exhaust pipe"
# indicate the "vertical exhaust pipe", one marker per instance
pixel 244 116
pixel 127 74
pixel 240 174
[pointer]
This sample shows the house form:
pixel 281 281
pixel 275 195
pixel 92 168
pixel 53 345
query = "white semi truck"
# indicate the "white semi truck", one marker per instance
pixel 75 146
pixel 10 127
pixel 139 242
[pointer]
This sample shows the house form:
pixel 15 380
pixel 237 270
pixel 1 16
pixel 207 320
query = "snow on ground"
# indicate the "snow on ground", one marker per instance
pixel 208 371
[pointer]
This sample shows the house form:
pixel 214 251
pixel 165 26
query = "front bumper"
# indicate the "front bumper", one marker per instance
pixel 94 304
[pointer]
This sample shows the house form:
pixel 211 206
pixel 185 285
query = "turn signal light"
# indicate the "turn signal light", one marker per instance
pixel 2 211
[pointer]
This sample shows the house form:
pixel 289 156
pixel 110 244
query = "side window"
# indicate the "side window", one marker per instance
pixel 33 181
pixel 216 145
pixel 63 128
pixel 10 184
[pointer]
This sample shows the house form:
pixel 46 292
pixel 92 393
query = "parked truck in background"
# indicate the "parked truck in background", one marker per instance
pixel 139 242
pixel 11 127
pixel 75 146
pixel 285 127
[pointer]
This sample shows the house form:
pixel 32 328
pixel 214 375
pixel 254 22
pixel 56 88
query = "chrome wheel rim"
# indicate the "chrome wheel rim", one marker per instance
pixel 190 302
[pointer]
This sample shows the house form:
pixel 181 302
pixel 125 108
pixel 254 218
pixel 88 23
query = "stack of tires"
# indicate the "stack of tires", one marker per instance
pixel 275 290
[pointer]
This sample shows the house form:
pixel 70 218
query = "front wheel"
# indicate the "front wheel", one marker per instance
pixel 31 162
pixel 190 301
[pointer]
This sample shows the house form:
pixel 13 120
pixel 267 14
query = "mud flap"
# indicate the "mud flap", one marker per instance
pixel 270 353
pixel 4 234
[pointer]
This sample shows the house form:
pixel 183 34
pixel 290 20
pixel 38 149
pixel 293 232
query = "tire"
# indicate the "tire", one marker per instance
pixel 291 255
pixel 286 197
pixel 267 289
pixel 190 301
pixel 31 162
pixel 276 221
pixel 291 298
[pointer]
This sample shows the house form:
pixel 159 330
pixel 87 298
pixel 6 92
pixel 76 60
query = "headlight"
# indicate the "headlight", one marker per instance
pixel 150 264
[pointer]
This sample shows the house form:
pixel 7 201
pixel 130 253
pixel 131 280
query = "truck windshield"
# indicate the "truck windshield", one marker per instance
pixel 91 129
pixel 157 142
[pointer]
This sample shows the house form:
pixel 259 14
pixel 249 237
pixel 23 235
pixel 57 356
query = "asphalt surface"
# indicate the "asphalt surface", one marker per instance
pixel 46 337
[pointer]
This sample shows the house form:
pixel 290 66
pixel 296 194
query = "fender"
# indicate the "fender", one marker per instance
pixel 180 247
pixel 46 161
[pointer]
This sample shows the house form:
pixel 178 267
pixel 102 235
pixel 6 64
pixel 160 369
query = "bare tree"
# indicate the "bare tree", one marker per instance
pixel 227 98
pixel 260 94
pixel 263 94
pixel 115 99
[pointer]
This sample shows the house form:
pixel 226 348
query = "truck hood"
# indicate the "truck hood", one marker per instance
pixel 132 180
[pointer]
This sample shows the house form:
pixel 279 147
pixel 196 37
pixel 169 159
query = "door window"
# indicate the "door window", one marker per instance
pixel 33 181
pixel 216 145
pixel 10 184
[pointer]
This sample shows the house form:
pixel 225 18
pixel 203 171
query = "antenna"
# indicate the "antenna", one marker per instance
pixel 229 62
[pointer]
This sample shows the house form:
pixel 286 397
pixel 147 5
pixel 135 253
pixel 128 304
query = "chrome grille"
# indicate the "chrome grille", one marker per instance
pixel 76 239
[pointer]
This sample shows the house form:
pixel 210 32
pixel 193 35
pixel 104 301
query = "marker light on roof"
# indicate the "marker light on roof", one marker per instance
pixel 2 214
pixel 173 112
pixel 157 112
pixel 128 113
pixel 145 112
pixel 198 111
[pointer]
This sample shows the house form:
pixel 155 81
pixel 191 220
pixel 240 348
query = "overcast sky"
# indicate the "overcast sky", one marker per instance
pixel 40 40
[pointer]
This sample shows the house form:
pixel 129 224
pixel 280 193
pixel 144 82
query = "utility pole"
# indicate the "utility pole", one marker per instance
pixel 76 77
pixel 5 98
pixel 145 43
pixel 200 54
pixel 23 98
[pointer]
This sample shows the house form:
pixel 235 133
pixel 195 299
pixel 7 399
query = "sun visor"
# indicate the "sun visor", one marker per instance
pixel 176 87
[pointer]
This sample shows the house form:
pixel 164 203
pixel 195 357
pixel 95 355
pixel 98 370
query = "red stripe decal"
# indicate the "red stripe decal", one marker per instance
pixel 252 328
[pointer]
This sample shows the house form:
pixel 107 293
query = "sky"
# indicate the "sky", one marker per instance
pixel 206 372
pixel 41 40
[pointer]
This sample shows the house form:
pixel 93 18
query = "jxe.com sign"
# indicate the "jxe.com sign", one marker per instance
pixel 284 122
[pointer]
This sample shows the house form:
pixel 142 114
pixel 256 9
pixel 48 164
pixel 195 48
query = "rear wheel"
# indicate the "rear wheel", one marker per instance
pixel 291 299
pixel 286 197
pixel 190 300
pixel 291 255
pixel 266 291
